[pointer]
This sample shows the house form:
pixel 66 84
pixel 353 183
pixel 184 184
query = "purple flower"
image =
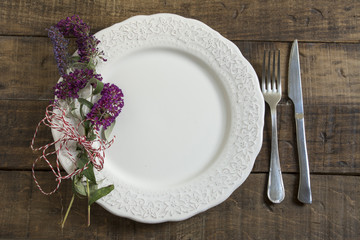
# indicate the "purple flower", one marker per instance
pixel 60 47
pixel 105 111
pixel 87 43
pixel 73 82
pixel 87 48
pixel 73 26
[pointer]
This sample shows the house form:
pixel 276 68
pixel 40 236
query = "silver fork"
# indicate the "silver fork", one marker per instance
pixel 271 89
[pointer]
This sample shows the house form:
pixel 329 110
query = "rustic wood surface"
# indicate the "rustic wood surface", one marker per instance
pixel 328 34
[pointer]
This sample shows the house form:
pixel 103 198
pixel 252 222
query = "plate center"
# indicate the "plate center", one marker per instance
pixel 174 120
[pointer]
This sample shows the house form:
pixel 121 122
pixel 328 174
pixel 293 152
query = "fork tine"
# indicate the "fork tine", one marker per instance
pixel 268 80
pixel 273 80
pixel 263 73
pixel 279 75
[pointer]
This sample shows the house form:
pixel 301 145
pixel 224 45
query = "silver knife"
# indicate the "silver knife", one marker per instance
pixel 295 94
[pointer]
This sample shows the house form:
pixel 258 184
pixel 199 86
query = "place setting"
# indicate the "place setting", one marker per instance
pixel 159 117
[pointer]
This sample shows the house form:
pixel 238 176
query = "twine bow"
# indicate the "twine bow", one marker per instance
pixel 55 118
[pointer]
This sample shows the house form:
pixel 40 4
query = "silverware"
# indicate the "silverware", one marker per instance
pixel 295 94
pixel 271 89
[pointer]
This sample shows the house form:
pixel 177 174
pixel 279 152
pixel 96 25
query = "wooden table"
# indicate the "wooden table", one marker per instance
pixel 328 34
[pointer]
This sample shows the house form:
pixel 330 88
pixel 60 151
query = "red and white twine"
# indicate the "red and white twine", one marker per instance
pixel 55 118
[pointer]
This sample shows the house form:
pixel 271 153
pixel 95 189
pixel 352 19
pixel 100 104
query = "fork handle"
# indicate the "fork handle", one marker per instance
pixel 304 193
pixel 275 191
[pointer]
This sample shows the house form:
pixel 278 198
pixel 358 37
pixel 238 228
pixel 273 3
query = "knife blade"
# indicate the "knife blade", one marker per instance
pixel 295 94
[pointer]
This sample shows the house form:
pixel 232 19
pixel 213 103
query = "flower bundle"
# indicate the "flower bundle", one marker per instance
pixel 80 95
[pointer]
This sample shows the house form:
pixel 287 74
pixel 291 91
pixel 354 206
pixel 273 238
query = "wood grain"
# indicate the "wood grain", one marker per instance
pixel 238 20
pixel 328 34
pixel 332 145
pixel 331 142
pixel 16 188
pixel 28 67
pixel 330 71
pixel 247 214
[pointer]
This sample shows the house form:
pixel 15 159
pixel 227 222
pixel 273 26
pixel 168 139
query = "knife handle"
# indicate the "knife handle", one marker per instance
pixel 304 193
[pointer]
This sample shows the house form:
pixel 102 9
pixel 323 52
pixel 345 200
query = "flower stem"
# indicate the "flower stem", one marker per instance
pixel 88 193
pixel 68 210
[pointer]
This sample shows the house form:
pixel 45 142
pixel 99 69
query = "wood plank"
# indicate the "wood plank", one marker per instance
pixel 259 219
pixel 332 132
pixel 20 119
pixel 247 214
pixel 330 72
pixel 16 188
pixel 332 141
pixel 237 20
pixel 28 67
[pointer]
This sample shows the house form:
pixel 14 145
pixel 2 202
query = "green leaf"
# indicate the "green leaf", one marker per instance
pixel 81 111
pixel 78 186
pixel 79 65
pixel 86 125
pixel 75 58
pixel 99 86
pixel 72 106
pixel 86 102
pixel 73 110
pixel 107 132
pixel 91 65
pixel 92 136
pixel 93 187
pixel 99 193
pixel 89 172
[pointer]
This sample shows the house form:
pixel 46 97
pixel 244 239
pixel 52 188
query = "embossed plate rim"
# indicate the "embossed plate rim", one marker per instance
pixel 247 109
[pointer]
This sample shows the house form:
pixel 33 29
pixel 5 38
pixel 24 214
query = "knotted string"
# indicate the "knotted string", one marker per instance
pixel 55 118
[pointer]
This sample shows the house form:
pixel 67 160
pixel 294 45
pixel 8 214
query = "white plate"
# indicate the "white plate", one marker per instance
pixel 192 123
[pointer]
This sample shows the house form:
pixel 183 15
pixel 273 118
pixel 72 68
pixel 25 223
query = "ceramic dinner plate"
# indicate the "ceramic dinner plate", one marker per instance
pixel 192 123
